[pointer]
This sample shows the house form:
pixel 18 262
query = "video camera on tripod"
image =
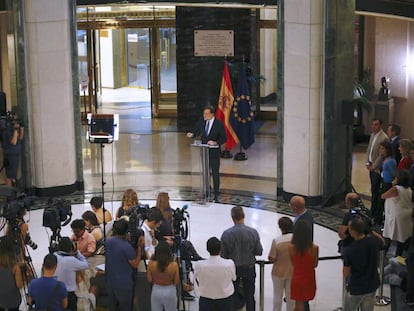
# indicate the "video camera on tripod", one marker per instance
pixel 180 221
pixel 137 214
pixel 13 212
pixel 57 214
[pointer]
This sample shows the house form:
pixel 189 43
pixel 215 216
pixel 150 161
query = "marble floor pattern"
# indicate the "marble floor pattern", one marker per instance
pixel 152 156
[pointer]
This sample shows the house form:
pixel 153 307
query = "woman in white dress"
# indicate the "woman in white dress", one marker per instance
pixel 398 224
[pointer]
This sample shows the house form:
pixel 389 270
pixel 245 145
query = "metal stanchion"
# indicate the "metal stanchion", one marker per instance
pixel 261 299
pixel 381 300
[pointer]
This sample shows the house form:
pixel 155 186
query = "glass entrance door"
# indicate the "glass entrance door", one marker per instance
pixel 134 66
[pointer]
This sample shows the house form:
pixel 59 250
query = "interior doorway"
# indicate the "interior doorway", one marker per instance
pixel 128 70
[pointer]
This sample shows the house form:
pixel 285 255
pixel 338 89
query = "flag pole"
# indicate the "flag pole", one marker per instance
pixel 240 156
pixel 226 154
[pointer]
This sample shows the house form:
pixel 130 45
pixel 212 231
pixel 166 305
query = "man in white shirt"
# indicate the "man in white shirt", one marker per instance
pixel 149 227
pixel 215 277
pixel 373 164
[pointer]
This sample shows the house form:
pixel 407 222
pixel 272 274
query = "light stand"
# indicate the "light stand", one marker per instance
pixel 103 192
pixel 102 129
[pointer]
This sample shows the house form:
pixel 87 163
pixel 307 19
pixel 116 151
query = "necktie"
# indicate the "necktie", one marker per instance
pixel 207 126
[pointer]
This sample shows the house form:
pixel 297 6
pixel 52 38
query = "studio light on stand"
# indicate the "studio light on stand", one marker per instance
pixel 102 129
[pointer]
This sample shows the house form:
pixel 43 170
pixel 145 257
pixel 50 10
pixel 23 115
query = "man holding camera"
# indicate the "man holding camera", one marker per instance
pixel 11 138
pixel 85 241
pixel 352 202
pixel 120 260
pixel 69 261
pixel 149 227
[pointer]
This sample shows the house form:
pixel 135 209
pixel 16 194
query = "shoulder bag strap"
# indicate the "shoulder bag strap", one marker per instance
pixel 53 296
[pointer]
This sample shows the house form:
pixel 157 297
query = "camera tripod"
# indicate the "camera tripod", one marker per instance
pixel 184 268
pixel 54 240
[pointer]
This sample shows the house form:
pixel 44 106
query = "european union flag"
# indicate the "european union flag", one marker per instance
pixel 242 116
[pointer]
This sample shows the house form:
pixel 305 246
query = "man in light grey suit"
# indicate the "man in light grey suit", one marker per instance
pixel 373 164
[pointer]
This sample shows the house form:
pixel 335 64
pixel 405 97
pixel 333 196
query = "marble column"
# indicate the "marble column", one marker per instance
pixel 51 125
pixel 303 54
pixel 311 45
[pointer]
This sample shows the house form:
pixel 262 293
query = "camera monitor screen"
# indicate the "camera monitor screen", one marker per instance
pixel 103 126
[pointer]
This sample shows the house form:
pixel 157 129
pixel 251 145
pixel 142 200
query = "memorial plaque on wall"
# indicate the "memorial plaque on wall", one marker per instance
pixel 213 43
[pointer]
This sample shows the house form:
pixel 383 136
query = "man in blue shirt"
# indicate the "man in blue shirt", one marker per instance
pixel 120 261
pixel 70 261
pixel 46 292
pixel 242 244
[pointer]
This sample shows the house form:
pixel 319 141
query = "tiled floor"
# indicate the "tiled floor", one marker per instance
pixel 151 156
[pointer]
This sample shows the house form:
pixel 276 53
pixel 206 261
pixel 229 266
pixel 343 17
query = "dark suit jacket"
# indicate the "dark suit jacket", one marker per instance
pixel 306 217
pixel 217 133
pixel 395 144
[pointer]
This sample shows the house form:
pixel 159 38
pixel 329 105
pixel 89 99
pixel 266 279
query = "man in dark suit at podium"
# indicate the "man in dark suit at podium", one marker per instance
pixel 211 132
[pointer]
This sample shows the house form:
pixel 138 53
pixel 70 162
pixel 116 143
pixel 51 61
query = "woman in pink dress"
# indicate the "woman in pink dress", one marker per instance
pixel 304 256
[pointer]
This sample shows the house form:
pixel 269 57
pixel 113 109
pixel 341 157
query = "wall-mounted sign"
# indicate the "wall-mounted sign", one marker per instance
pixel 213 43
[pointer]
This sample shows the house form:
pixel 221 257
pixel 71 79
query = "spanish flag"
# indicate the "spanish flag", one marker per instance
pixel 224 108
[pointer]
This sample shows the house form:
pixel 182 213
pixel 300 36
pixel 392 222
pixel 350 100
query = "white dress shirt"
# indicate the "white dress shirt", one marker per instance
pixel 149 238
pixel 215 277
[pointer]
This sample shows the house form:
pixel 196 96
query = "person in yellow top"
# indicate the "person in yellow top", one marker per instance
pixel 163 272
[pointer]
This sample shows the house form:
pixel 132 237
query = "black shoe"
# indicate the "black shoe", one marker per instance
pixel 188 296
pixel 216 200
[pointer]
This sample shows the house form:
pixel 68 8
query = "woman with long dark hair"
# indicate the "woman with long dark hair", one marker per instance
pixel 163 272
pixel 304 256
pixel 10 277
pixel 129 200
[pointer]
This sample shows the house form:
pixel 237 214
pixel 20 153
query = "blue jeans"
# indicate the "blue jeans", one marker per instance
pixel 164 298
pixel 364 302
pixel 247 276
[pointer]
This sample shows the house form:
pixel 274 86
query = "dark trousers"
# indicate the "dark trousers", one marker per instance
pixel 410 276
pixel 384 187
pixel 215 173
pixel 375 196
pixel 72 301
pixel 247 277
pixel 120 299
pixel 10 309
pixel 207 304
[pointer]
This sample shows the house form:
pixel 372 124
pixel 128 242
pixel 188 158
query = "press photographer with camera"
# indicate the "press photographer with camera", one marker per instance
pixel 12 134
pixel 121 258
pixel 85 241
pixel 149 227
pixel 69 261
pixel 356 209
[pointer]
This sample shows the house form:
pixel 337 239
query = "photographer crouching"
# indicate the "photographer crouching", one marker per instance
pixel 12 134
